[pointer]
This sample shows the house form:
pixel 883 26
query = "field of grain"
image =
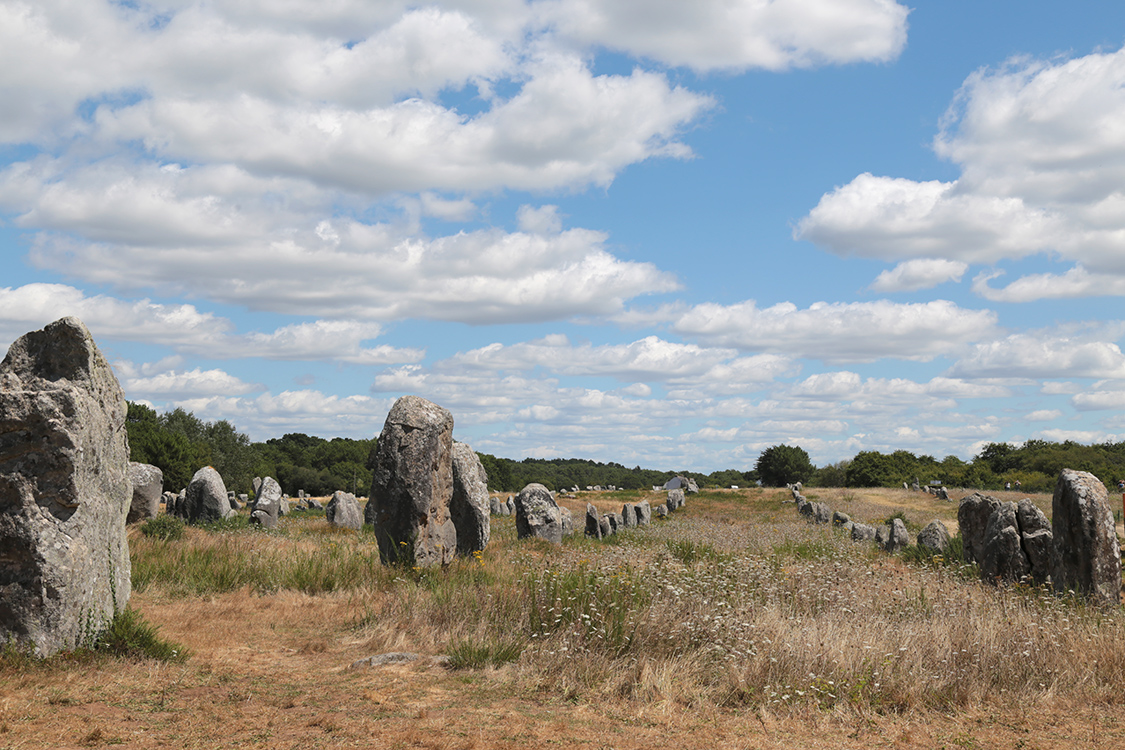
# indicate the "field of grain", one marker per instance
pixel 733 624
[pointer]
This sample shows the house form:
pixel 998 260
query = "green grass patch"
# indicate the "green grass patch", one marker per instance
pixel 471 653
pixel 130 636
pixel 164 527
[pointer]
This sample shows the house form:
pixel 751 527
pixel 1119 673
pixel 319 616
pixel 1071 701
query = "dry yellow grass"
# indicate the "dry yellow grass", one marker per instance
pixel 745 628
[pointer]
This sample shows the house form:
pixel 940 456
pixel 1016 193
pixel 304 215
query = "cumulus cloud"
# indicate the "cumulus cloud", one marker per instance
pixel 839 332
pixel 923 273
pixel 712 34
pixel 1042 163
pixel 184 329
pixel 893 218
pixel 1042 354
pixel 144 382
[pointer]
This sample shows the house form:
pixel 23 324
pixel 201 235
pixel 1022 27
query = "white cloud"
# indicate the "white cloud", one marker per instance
pixel 839 332
pixel 922 273
pixel 1042 159
pixel 894 219
pixel 1103 395
pixel 1078 436
pixel 712 34
pixel 1042 354
pixel 180 384
pixel 1043 415
pixel 184 329
pixel 564 128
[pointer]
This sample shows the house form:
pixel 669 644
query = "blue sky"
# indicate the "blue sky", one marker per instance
pixel 646 231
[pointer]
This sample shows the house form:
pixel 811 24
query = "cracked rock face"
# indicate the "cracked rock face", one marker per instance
pixel 64 490
pixel 1087 558
pixel 412 484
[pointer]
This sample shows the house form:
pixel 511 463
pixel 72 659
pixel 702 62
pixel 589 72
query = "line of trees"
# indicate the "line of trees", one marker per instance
pixel 180 443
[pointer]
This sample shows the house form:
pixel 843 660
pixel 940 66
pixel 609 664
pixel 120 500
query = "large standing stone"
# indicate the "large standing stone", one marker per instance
pixel 412 484
pixel 821 513
pixel 593 527
pixel 862 532
pixel 935 537
pixel 628 515
pixel 567 521
pixel 267 503
pixel 1087 558
pixel 64 490
pixel 343 510
pixel 1002 557
pixel 644 513
pixel 148 485
pixel 898 537
pixel 675 499
pixel 469 506
pixel 206 497
pixel 538 515
pixel 972 519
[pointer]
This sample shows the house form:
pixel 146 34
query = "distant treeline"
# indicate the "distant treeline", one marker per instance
pixel 180 443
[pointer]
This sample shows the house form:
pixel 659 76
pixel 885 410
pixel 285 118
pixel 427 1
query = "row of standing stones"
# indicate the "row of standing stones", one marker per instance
pixel 67 491
pixel 1077 550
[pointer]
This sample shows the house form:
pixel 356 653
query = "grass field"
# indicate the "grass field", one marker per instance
pixel 733 624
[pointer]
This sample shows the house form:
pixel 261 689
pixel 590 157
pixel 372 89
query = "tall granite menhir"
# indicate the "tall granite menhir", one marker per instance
pixel 1087 558
pixel 64 490
pixel 412 484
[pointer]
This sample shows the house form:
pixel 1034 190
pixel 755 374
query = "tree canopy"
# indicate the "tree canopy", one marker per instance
pixel 779 465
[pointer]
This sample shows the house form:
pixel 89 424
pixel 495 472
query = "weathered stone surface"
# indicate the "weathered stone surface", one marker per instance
pixel 847 527
pixel 343 510
pixel 469 506
pixel 494 506
pixel 805 508
pixel 644 513
pixel 839 519
pixel 821 513
pixel 1087 558
pixel 567 521
pixel 267 504
pixel 882 535
pixel 64 490
pixel 628 515
pixel 972 519
pixel 662 510
pixel 206 498
pixel 169 502
pixel 692 487
pixel 313 504
pixel 675 499
pixel 1003 557
pixel 256 485
pixel 593 527
pixel 412 484
pixel 862 532
pixel 538 515
pixel 942 493
pixel 935 537
pixel 1037 538
pixel 148 486
pixel 898 537
pixel 616 522
pixel 605 526
pixel 511 505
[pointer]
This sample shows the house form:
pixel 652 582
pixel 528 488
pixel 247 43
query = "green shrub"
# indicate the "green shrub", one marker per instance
pixel 168 528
